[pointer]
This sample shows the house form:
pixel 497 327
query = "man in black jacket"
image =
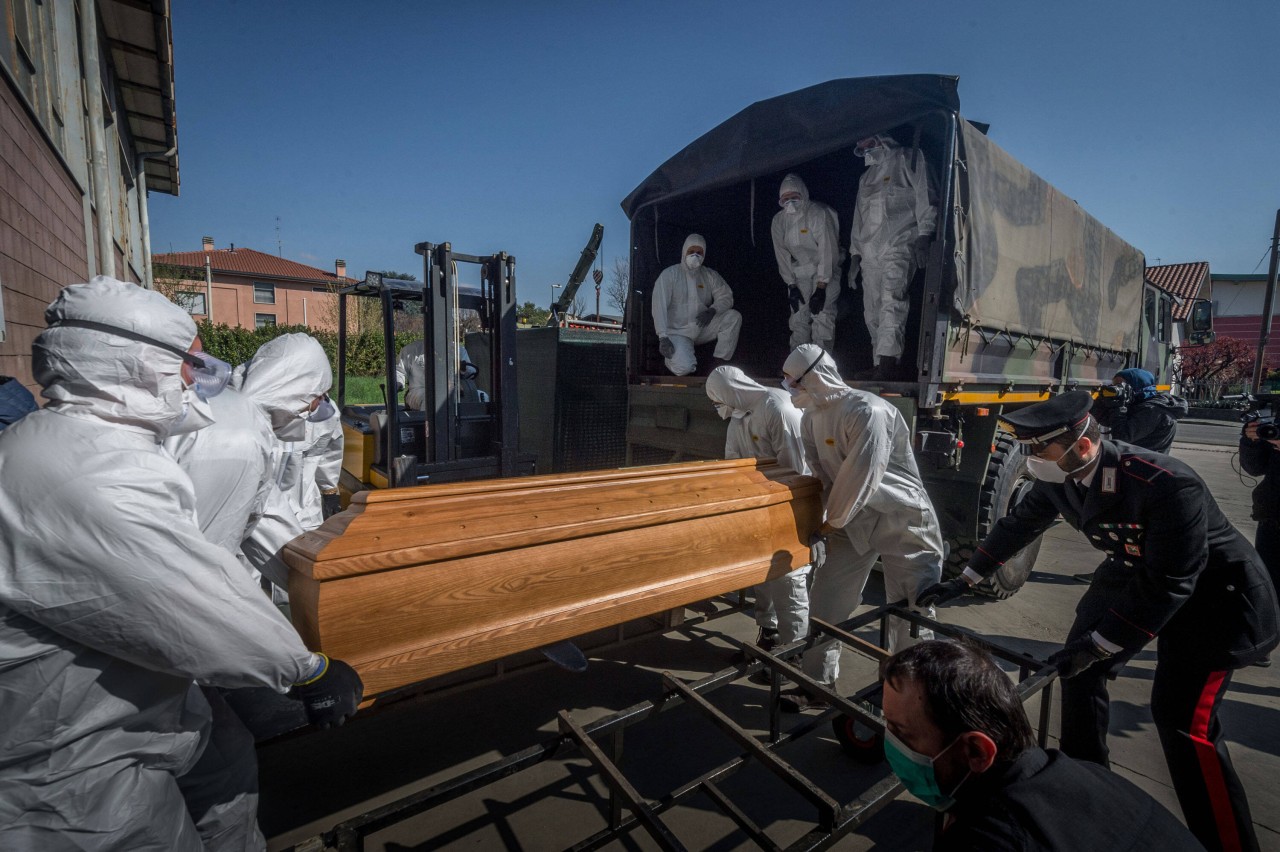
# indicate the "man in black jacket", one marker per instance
pixel 1139 413
pixel 1177 569
pixel 1260 457
pixel 959 739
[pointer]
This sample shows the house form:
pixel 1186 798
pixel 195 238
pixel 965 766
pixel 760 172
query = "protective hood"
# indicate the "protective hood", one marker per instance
pixel 91 372
pixel 822 382
pixel 1141 381
pixel 694 240
pixel 793 183
pixel 730 386
pixel 285 375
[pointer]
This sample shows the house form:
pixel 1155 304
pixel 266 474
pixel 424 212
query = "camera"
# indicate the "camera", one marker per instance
pixel 1260 410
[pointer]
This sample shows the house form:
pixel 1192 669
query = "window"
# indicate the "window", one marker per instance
pixel 264 294
pixel 263 320
pixel 191 302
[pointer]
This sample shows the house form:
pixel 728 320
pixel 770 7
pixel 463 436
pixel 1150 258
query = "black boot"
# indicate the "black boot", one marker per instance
pixel 886 370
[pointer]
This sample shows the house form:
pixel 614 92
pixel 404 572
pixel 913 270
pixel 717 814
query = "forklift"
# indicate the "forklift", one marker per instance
pixel 432 425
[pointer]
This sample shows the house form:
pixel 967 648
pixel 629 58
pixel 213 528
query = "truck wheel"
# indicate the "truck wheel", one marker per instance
pixel 1006 483
pixel 859 741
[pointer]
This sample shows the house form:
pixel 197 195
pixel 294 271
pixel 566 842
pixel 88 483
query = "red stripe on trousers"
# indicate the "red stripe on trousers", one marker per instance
pixel 1223 814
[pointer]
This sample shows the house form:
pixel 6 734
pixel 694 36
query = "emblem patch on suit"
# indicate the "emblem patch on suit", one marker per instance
pixel 1108 480
pixel 1132 549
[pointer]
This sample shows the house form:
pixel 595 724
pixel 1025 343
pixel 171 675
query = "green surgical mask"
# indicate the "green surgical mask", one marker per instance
pixel 915 771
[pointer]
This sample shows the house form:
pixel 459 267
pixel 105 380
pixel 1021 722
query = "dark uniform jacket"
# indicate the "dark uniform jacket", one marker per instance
pixel 1047 801
pixel 1150 423
pixel 1176 566
pixel 1259 458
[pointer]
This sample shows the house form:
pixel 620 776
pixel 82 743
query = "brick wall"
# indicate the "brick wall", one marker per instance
pixel 42 235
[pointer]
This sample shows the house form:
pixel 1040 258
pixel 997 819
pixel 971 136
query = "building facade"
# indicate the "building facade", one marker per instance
pixel 1238 302
pixel 87 127
pixel 245 288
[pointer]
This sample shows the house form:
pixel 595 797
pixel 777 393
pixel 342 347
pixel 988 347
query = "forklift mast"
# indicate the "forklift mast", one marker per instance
pixel 440 329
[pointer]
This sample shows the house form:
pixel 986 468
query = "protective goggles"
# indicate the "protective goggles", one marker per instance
pixel 209 375
pixel 789 383
pixel 323 411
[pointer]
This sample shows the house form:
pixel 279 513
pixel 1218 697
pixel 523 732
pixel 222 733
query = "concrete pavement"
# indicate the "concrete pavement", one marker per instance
pixel 311 782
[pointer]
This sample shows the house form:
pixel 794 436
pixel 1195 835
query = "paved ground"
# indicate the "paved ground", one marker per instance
pixel 311 782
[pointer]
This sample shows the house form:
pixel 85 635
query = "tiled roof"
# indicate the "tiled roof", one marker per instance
pixel 1182 280
pixel 249 262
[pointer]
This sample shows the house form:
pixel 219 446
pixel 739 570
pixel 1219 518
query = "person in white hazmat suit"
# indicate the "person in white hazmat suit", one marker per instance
pixel 764 424
pixel 691 305
pixel 860 447
pixel 233 463
pixel 114 608
pixel 806 243
pixel 893 224
pixel 411 376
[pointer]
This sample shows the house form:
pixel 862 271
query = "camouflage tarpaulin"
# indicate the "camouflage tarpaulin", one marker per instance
pixel 1031 261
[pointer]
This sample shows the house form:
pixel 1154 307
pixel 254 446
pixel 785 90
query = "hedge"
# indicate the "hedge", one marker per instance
pixel 365 351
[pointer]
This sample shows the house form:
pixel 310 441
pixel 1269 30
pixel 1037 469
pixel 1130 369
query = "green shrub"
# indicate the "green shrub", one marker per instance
pixel 365 352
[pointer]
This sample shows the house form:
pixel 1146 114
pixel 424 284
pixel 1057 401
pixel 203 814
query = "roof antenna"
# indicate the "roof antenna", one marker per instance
pixel 279 242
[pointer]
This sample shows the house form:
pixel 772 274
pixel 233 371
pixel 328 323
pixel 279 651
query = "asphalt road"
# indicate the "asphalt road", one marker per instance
pixel 310 783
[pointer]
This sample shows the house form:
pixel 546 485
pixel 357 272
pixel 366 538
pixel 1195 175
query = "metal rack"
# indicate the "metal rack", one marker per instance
pixel 601 742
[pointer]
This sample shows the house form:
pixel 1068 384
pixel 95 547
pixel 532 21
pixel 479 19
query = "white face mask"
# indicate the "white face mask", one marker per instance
pixel 1050 471
pixel 874 155
pixel 723 410
pixel 323 412
pixel 693 261
pixel 792 206
pixel 288 425
pixel 1045 470
pixel 196 414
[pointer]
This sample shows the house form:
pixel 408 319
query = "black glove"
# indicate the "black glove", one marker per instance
pixel 330 695
pixel 920 250
pixel 944 592
pixel 1077 656
pixel 666 347
pixel 330 504
pixel 817 300
pixel 795 298
pixel 817 550
pixel 704 316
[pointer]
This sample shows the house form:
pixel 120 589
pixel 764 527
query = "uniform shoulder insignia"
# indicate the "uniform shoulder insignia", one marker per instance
pixel 1142 469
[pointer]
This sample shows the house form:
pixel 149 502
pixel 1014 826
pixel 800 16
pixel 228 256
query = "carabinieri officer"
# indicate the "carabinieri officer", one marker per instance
pixel 1177 569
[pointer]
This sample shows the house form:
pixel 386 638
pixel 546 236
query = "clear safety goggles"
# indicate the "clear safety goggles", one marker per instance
pixel 209 375
pixel 791 384
pixel 323 411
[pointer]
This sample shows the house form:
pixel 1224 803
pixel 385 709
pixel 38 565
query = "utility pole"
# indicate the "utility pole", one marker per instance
pixel 1265 335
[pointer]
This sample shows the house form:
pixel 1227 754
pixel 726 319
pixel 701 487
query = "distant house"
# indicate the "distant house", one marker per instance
pixel 1237 311
pixel 88 127
pixel 249 289
pixel 1186 282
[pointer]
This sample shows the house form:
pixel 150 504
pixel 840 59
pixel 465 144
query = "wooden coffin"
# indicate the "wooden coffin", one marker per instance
pixel 412 583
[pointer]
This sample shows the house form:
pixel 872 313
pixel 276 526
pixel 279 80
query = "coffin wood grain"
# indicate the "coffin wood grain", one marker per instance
pixel 412 583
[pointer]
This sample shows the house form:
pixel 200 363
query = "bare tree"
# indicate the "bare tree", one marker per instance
pixel 619 284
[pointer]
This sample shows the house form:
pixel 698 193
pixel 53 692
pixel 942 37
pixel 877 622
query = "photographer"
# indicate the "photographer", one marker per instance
pixel 1260 456
pixel 1138 413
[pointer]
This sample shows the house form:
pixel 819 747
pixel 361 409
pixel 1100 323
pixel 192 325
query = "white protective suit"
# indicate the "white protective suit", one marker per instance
pixel 114 607
pixel 411 366
pixel 860 447
pixel 679 295
pixel 806 242
pixel 283 377
pixel 763 424
pixel 892 209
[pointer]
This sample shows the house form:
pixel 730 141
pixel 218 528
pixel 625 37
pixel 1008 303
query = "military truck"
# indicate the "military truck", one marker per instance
pixel 1024 294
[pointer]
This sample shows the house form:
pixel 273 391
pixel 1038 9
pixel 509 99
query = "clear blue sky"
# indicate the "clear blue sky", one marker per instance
pixel 514 126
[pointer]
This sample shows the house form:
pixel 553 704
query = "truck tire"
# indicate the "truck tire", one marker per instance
pixel 1007 480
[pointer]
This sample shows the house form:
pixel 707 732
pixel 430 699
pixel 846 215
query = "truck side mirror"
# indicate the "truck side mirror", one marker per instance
pixel 1201 319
